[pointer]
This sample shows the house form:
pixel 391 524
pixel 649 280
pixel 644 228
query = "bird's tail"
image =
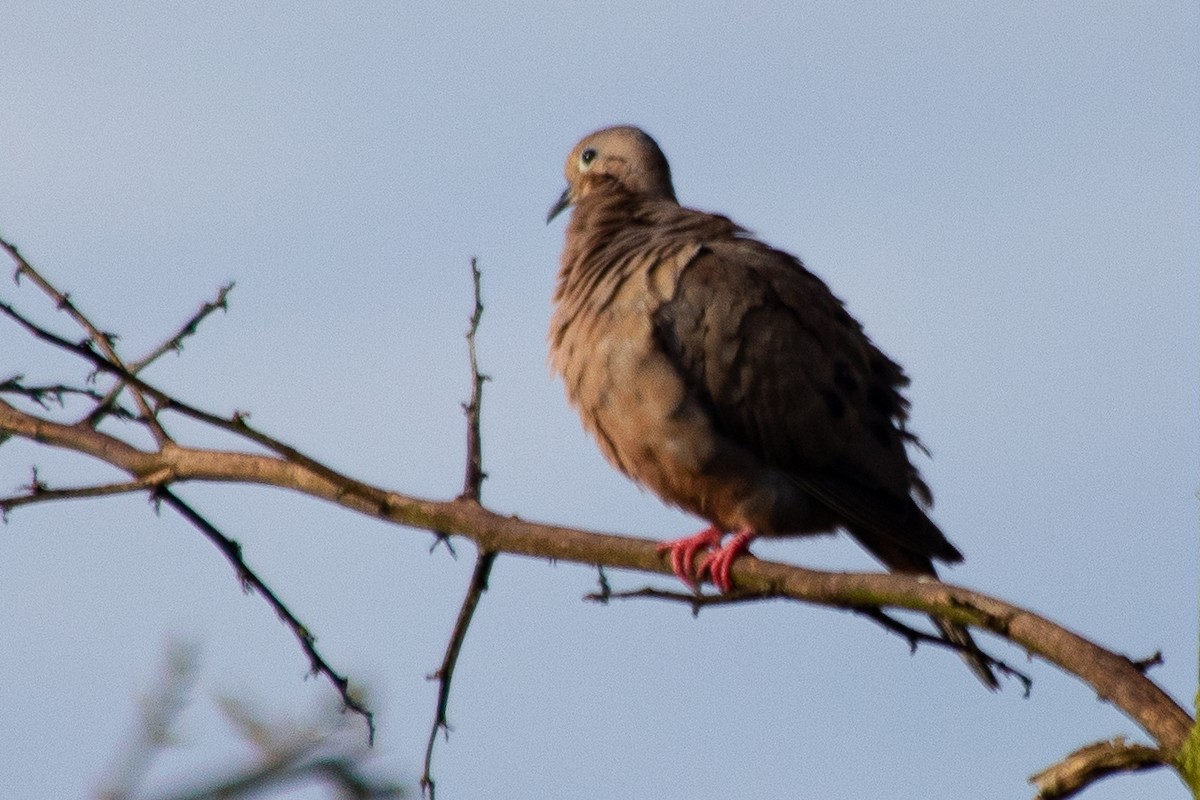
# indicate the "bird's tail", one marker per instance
pixel 899 559
pixel 970 652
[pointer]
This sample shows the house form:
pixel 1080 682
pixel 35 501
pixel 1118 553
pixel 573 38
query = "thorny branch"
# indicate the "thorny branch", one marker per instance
pixel 249 578
pixel 914 636
pixel 473 480
pixel 155 481
pixel 100 339
pixel 445 673
pixel 472 487
pixel 174 343
pixel 55 394
pixel 38 492
pixel 1116 678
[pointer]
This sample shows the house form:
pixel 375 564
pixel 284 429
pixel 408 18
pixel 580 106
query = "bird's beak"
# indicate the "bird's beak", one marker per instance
pixel 563 203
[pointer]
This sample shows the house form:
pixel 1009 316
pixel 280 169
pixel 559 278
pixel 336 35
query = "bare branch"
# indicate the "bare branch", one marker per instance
pixel 174 343
pixel 445 673
pixel 100 339
pixel 233 552
pixel 235 423
pixel 52 394
pixel 472 489
pixel 1096 761
pixel 189 328
pixel 1114 676
pixel 914 636
pixel 699 600
pixel 605 592
pixel 62 301
pixel 288 754
pixel 473 480
pixel 40 493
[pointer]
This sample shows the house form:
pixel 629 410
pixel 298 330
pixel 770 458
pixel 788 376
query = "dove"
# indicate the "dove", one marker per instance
pixel 720 374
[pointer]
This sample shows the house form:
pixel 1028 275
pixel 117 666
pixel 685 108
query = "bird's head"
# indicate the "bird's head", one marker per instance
pixel 623 156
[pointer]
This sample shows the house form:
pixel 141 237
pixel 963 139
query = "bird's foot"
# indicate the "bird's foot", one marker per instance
pixel 683 553
pixel 718 561
pixel 719 564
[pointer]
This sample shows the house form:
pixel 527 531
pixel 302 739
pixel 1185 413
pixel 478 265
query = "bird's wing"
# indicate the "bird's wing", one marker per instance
pixel 788 374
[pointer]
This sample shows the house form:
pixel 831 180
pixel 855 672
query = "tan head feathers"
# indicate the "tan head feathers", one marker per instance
pixel 622 154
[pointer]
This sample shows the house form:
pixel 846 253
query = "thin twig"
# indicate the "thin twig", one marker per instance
pixel 342 772
pixel 913 636
pixel 472 489
pixel 39 493
pixel 174 343
pixel 99 338
pixel 62 301
pixel 473 480
pixel 445 673
pixel 52 393
pixel 286 755
pixel 233 552
pixel 605 589
pixel 235 423
pixel 697 600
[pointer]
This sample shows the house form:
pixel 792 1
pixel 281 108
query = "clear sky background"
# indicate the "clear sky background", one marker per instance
pixel 1006 194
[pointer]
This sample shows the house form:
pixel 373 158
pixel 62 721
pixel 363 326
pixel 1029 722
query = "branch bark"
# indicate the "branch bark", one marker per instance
pixel 1089 764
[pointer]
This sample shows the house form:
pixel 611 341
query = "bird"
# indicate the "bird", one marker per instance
pixel 725 377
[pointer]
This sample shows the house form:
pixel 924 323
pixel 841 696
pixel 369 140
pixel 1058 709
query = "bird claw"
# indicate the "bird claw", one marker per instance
pixel 718 561
pixel 719 564
pixel 683 554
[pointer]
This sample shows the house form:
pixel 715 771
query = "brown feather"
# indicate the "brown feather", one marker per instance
pixel 724 376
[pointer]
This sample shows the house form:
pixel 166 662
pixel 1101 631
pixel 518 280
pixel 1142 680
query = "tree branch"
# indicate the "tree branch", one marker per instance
pixel 249 578
pixel 473 480
pixel 174 343
pixel 99 339
pixel 38 492
pixel 445 673
pixel 1089 764
pixel 55 393
pixel 1115 678
pixel 914 636
pixel 472 490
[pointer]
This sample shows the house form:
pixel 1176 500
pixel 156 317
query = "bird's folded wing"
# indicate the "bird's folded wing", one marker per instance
pixel 789 375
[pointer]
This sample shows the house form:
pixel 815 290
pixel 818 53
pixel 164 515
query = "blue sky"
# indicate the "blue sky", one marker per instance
pixel 1006 196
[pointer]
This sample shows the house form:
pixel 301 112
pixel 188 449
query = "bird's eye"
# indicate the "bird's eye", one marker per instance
pixel 587 157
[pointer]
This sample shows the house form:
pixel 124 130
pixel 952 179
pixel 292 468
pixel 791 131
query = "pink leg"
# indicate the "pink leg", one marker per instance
pixel 720 564
pixel 683 553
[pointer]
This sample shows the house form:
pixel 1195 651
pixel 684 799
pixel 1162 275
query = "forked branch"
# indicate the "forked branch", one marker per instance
pixel 1116 678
